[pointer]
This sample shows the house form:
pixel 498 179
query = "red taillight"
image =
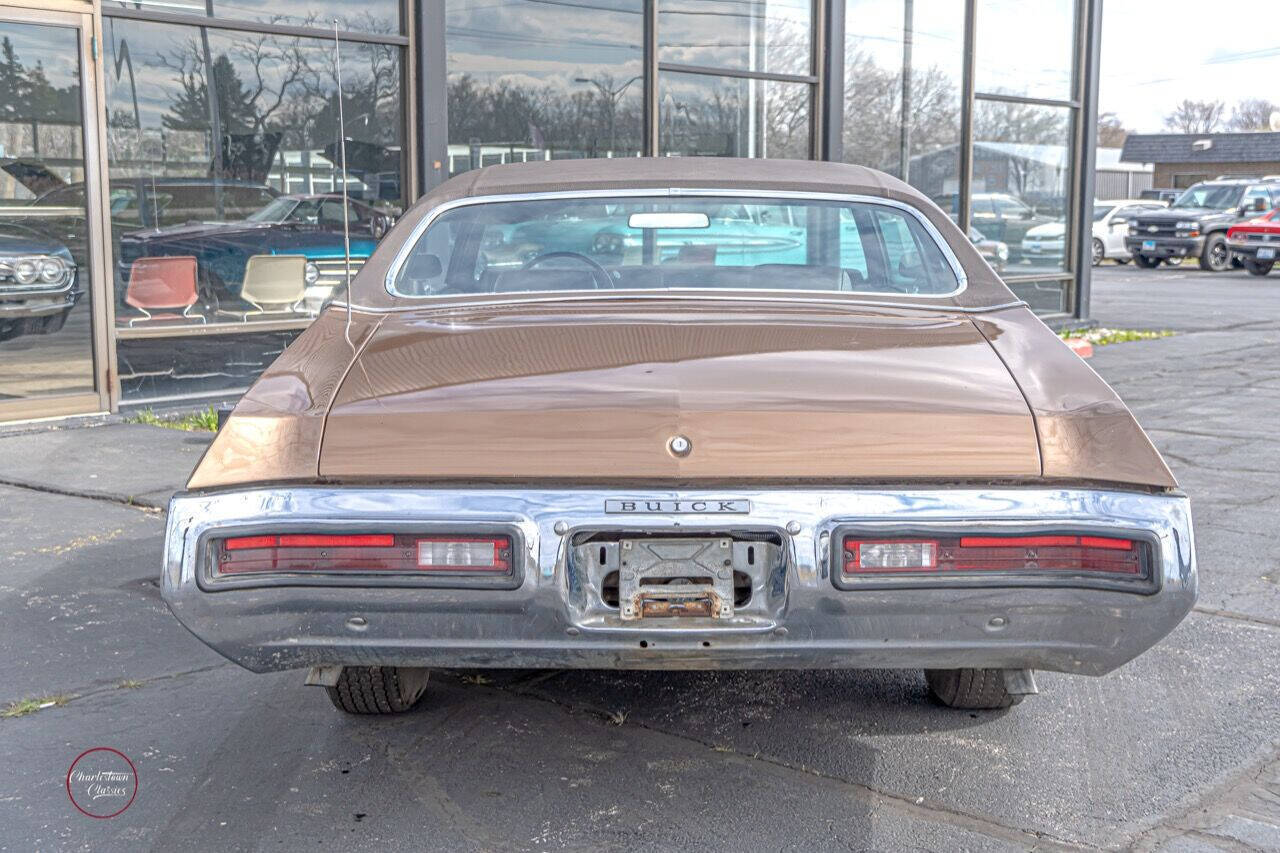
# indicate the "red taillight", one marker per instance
pixel 1056 553
pixel 364 552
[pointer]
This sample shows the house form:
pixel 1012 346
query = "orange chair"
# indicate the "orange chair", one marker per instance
pixel 163 284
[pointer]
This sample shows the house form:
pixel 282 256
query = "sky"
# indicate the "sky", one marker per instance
pixel 1157 52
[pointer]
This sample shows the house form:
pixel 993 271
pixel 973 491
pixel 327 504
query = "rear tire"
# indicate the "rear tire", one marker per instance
pixel 1216 257
pixel 1145 262
pixel 1123 261
pixel 1258 267
pixel 1099 252
pixel 378 689
pixel 974 689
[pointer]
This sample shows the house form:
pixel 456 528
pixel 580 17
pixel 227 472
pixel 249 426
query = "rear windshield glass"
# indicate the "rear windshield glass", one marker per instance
pixel 664 243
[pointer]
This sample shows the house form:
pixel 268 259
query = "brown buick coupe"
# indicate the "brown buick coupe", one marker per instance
pixel 679 414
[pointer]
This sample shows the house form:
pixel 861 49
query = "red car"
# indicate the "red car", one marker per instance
pixel 1256 242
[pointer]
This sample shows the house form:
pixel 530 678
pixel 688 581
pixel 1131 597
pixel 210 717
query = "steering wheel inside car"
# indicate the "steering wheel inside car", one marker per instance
pixel 599 275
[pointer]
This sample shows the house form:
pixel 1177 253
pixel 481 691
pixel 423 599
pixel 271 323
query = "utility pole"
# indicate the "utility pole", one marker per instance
pixel 613 96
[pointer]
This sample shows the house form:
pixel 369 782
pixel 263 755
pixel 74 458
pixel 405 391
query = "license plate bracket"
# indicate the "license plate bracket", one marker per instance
pixel 1266 254
pixel 675 577
pixel 1148 245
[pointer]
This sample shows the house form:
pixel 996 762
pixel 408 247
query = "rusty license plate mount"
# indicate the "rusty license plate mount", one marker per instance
pixel 676 577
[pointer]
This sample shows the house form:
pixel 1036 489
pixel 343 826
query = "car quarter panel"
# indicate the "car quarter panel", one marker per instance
pixel 1086 433
pixel 275 430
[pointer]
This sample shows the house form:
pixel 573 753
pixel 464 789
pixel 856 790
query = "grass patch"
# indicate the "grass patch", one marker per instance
pixel 205 420
pixel 29 706
pixel 129 684
pixel 1104 337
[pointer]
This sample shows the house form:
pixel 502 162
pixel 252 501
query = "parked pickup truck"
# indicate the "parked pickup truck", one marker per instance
pixel 1196 224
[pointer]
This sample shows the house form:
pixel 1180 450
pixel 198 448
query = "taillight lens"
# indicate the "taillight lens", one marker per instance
pixel 364 552
pixel 1052 553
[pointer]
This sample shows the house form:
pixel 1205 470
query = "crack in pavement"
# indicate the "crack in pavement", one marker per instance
pixel 1237 616
pixel 138 684
pixel 130 501
pixel 1196 818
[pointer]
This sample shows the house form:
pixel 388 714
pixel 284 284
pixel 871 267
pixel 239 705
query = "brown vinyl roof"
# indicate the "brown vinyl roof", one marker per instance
pixel 985 289
pixel 661 172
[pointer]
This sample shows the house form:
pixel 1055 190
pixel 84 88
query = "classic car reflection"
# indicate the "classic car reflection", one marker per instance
pixel 737 234
pixel 678 460
pixel 309 226
pixel 39 283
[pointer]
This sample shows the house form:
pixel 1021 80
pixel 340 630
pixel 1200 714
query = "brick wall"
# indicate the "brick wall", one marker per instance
pixel 1185 174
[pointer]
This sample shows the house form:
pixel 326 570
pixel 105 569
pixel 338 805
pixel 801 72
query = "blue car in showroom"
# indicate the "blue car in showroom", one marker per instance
pixel 307 225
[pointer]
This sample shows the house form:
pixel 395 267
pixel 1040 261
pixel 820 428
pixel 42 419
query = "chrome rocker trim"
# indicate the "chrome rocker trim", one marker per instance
pixel 798 616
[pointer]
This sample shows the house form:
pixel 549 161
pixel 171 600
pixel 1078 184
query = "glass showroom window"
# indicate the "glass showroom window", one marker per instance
pixel 1021 191
pixel 228 209
pixel 536 81
pixel 735 80
pixel 712 116
pixel 769 36
pixel 374 16
pixel 1009 63
pixel 903 62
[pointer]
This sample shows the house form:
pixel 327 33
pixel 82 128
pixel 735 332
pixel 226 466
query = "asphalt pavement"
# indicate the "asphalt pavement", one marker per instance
pixel 1180 750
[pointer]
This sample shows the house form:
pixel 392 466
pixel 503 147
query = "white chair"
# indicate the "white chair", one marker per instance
pixel 273 284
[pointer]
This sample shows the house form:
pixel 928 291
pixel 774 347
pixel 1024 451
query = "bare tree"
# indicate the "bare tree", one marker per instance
pixel 1253 114
pixel 1111 131
pixel 1196 116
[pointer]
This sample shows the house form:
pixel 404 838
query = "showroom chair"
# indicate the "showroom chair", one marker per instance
pixel 162 285
pixel 273 284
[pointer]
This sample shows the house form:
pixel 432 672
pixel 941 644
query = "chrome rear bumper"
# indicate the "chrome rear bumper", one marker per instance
pixel 553 616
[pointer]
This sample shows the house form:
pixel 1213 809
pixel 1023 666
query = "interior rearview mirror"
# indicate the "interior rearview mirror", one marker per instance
pixel 668 220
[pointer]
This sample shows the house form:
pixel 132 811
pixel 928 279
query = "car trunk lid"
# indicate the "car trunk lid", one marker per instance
pixel 596 391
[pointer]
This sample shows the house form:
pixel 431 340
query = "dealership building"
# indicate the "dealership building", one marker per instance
pixel 171 170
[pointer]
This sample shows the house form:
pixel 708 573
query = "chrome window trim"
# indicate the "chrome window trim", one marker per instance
pixel 402 255
pixel 561 297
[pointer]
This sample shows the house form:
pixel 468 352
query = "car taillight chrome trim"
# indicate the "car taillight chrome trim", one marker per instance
pixel 538 519
pixel 395 553
pixel 1124 559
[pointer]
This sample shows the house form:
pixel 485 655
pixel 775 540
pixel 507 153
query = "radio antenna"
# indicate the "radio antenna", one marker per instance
pixel 342 153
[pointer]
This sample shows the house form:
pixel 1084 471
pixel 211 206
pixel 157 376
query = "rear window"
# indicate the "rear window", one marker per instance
pixel 661 243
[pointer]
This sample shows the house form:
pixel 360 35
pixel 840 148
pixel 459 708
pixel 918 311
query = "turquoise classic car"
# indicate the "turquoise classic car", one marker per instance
pixel 736 235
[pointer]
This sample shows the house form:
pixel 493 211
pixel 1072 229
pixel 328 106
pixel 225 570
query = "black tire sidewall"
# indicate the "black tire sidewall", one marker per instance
pixel 1206 257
